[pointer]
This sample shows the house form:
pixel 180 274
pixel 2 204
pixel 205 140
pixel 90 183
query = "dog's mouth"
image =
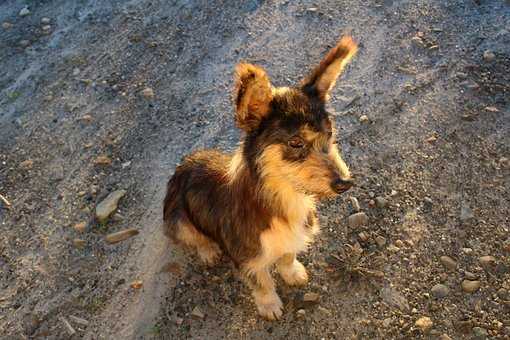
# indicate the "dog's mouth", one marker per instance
pixel 340 186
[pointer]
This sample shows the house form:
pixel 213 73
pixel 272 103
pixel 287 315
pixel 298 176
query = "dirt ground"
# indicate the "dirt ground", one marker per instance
pixel 424 122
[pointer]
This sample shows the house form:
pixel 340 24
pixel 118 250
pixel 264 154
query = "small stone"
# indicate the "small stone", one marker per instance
pixel 503 294
pixel 26 165
pixel 445 337
pixel 46 28
pixel 103 160
pixel 7 25
pixel 79 243
pixel 489 56
pixel 108 205
pixel 311 298
pixel 393 193
pixel 440 291
pixel 417 41
pixel 381 202
pixel 487 261
pixel 399 243
pixel 363 236
pixel 24 43
pixel 448 263
pixel 148 93
pixel 357 220
pixel 467 251
pixel 121 235
pixel 424 323
pixel 371 203
pixel 428 200
pixel 381 241
pixel 364 119
pixel 371 194
pixel 491 109
pixel 480 333
pixel 355 203
pixel 466 213
pixel 82 193
pixel 137 284
pixel 76 71
pixel 86 119
pixel 80 227
pixel 24 12
pixel 78 320
pixel 301 313
pixel 431 139
pixel 45 20
pixel 470 286
pixel 197 313
pixel 470 276
pixel 324 310
pixel 312 9
pixel 393 248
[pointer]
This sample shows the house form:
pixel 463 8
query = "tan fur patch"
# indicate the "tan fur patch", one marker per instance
pixel 207 250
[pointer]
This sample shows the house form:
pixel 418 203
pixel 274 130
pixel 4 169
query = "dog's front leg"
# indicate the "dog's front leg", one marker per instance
pixel 267 300
pixel 291 270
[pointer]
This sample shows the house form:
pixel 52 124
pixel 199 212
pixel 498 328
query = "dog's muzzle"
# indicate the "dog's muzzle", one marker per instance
pixel 341 185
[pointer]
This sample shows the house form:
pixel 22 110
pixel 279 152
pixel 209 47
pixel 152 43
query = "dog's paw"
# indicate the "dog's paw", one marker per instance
pixel 295 274
pixel 270 308
pixel 209 255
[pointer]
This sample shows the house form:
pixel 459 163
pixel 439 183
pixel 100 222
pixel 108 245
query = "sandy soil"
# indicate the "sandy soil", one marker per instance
pixel 432 77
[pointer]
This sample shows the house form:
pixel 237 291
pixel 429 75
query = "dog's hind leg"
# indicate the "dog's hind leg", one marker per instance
pixel 208 251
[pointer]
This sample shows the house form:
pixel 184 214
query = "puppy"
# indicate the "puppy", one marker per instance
pixel 258 205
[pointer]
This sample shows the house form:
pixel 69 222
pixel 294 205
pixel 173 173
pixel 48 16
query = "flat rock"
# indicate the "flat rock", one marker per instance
pixel 393 298
pixel 311 297
pixel 381 241
pixel 197 313
pixel 358 220
pixel 448 262
pixel 440 291
pixel 466 213
pixel 424 323
pixel 355 203
pixel 487 261
pixel 108 205
pixel 470 286
pixel 121 235
pixel 148 93
pixel 24 12
pixel 45 20
pixel 381 202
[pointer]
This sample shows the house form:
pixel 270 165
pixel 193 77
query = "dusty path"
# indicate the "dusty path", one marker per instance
pixel 437 135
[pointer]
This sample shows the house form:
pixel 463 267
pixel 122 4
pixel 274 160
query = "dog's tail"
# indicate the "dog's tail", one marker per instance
pixel 173 205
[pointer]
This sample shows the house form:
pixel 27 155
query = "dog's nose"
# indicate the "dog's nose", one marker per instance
pixel 341 185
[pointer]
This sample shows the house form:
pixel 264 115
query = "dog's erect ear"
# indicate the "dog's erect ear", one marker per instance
pixel 252 96
pixel 320 82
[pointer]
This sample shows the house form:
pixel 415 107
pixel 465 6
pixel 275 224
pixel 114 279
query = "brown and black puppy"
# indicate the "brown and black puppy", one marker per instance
pixel 258 204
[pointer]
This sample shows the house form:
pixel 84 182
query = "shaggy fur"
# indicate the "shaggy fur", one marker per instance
pixel 258 204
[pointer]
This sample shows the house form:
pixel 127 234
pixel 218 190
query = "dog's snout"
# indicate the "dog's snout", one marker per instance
pixel 341 185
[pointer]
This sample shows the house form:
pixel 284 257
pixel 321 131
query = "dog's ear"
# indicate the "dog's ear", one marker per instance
pixel 252 96
pixel 320 82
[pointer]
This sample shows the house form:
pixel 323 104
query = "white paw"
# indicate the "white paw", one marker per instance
pixel 270 307
pixel 295 274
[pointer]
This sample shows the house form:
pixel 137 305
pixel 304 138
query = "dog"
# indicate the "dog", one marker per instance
pixel 258 205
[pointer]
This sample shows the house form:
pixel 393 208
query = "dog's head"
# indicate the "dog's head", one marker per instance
pixel 290 139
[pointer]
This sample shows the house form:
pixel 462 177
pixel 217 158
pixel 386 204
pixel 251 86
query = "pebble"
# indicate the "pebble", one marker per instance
pixel 489 56
pixel 470 276
pixel 355 203
pixel 121 235
pixel 364 119
pixel 197 313
pixel 357 220
pixel 465 213
pixel 393 193
pixel 311 298
pixel 148 93
pixel 448 263
pixel 45 20
pixel 440 291
pixel 503 294
pixel 26 165
pixel 7 25
pixel 79 243
pixel 24 43
pixel 301 312
pixel 46 28
pixel 487 261
pixel 470 286
pixel 108 205
pixel 137 284
pixel 393 248
pixel 480 333
pixel 424 323
pixel 445 337
pixel 80 227
pixel 102 160
pixel 363 236
pixel 381 241
pixel 381 202
pixel 399 243
pixel 24 12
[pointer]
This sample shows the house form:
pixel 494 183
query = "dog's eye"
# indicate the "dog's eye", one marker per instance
pixel 296 142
